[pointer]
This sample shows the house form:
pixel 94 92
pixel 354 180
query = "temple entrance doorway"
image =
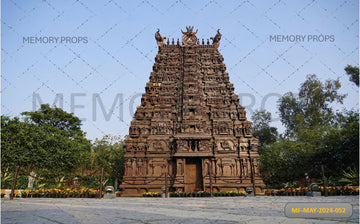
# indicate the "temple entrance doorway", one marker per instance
pixel 193 174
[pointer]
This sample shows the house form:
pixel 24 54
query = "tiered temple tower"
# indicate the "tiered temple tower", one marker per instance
pixel 190 130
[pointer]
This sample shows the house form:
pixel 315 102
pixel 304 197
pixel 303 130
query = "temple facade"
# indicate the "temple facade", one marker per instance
pixel 190 132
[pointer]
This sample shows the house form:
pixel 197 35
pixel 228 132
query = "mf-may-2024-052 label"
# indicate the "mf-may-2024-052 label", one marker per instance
pixel 318 210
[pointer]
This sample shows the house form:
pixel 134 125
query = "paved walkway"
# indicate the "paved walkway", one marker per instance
pixel 258 209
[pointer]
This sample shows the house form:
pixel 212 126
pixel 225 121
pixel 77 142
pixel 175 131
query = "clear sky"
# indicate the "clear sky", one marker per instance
pixel 108 50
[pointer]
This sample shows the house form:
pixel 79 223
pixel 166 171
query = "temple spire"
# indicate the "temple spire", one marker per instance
pixel 190 122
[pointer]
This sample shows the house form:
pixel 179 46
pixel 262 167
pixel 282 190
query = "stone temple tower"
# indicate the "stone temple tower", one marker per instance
pixel 190 132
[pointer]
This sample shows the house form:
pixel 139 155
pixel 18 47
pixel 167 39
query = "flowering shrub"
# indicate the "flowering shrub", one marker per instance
pixel 269 192
pixel 301 191
pixel 207 194
pixel 345 190
pixel 17 193
pixel 61 193
pixel 151 194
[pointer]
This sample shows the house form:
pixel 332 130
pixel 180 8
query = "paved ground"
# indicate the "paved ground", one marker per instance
pixel 258 209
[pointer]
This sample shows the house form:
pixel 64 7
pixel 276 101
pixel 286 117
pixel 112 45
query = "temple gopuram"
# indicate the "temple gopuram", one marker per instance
pixel 190 132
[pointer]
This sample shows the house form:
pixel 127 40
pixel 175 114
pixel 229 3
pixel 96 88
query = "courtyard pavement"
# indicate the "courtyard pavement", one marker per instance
pixel 259 209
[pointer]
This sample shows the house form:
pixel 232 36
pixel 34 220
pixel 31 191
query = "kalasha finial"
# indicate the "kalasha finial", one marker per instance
pixel 189 37
pixel 189 31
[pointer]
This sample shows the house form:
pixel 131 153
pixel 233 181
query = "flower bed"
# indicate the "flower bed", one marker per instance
pixel 7 192
pixel 207 194
pixel 151 194
pixel 301 191
pixel 340 190
pixel 61 193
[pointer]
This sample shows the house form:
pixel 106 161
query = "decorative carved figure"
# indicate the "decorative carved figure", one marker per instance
pixel 256 167
pixel 189 37
pixel 159 38
pixel 128 170
pixel 140 167
pixel 226 145
pixel 244 167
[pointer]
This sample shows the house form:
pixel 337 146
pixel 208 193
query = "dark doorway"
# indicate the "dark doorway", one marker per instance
pixel 193 174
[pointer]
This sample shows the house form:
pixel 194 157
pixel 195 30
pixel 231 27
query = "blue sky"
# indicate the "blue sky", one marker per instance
pixel 115 62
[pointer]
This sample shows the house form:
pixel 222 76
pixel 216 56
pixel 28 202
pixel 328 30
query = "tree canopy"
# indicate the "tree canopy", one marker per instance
pixel 20 144
pixel 49 138
pixel 262 129
pixel 315 134
pixel 353 72
pixel 312 107
pixel 108 153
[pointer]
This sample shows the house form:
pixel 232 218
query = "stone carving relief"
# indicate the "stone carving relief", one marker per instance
pixel 128 167
pixel 245 168
pixel 182 145
pixel 160 146
pixel 223 128
pixel 238 130
pixel 134 131
pixel 256 167
pixel 227 145
pixel 161 129
pixel 139 167
pixel 219 168
pixel 205 145
pixel 180 167
pixel 247 129
pixel 242 113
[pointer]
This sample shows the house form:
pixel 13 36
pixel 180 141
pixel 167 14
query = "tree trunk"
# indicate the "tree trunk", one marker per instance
pixel 14 183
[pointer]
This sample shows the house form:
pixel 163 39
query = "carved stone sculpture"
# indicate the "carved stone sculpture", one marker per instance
pixel 159 39
pixel 216 39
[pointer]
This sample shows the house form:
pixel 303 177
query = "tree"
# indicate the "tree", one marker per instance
pixel 311 108
pixel 56 120
pixel 341 145
pixel 284 161
pixel 310 125
pixel 108 153
pixel 353 72
pixel 20 144
pixel 49 139
pixel 20 147
pixel 262 129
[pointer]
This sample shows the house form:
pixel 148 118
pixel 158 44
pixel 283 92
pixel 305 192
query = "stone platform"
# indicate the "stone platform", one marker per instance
pixel 259 209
